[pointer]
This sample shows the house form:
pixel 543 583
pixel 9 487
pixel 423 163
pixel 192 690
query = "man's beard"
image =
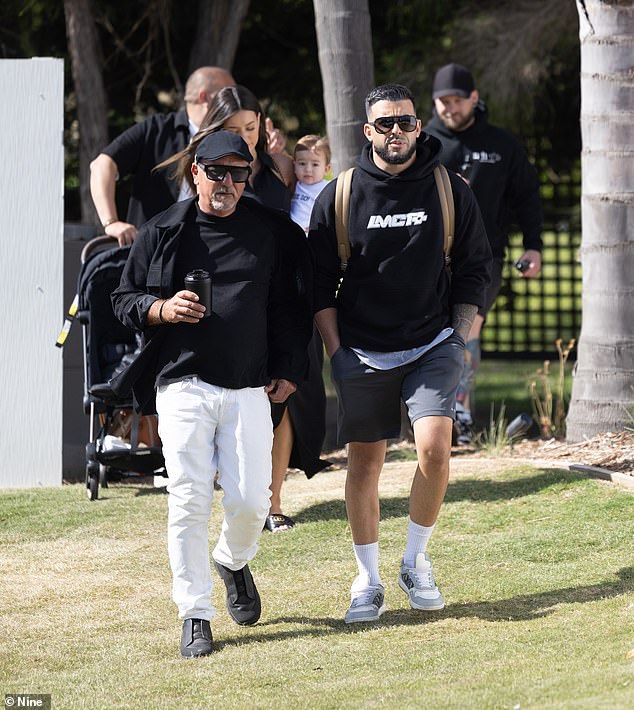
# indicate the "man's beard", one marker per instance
pixel 222 200
pixel 459 123
pixel 394 158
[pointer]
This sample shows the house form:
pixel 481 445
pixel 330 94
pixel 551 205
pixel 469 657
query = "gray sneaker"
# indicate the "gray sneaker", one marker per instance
pixel 463 427
pixel 418 583
pixel 367 602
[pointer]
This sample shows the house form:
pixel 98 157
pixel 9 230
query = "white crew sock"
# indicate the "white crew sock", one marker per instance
pixel 368 562
pixel 417 539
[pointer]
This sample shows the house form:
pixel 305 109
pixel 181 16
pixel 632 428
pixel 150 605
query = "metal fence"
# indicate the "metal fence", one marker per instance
pixel 530 314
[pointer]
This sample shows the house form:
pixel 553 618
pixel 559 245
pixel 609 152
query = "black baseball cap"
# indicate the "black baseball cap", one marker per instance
pixel 220 143
pixel 453 80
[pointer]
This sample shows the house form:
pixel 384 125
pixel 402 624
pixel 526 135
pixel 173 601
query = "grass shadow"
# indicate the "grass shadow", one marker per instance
pixel 524 607
pixel 477 490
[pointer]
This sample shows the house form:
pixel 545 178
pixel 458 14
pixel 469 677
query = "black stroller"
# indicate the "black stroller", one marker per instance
pixel 122 443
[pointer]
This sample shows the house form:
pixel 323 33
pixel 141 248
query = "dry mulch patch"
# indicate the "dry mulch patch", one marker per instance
pixel 610 451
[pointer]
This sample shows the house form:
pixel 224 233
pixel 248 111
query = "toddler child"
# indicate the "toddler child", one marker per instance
pixel 312 161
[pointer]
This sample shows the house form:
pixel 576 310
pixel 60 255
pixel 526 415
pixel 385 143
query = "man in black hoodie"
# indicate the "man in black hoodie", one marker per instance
pixel 503 182
pixel 395 329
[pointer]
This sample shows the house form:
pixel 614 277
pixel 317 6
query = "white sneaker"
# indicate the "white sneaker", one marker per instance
pixel 367 602
pixel 418 583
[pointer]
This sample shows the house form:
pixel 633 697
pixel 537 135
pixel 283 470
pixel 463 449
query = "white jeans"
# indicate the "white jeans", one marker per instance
pixel 205 428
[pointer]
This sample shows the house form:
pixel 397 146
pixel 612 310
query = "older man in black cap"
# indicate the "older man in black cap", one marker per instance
pixel 503 181
pixel 215 368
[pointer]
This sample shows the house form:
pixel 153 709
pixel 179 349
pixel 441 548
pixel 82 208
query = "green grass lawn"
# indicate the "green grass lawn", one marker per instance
pixel 536 566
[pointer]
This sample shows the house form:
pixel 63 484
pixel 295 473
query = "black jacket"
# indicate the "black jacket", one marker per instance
pixel 137 150
pixel 396 293
pixel 501 177
pixel 148 275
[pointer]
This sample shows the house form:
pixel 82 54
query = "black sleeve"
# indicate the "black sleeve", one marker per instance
pixel 290 305
pixel 130 300
pixel 524 199
pixel 322 240
pixel 127 149
pixel 471 253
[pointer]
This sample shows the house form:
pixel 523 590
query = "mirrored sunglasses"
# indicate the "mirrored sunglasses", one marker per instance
pixel 217 172
pixel 385 124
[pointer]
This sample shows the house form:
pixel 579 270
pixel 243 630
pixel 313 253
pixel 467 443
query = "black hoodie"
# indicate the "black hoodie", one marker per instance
pixel 396 293
pixel 501 177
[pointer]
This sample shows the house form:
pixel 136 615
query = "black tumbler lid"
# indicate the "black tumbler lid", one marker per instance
pixel 197 275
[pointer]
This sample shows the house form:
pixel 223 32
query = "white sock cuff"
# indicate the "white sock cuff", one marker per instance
pixel 417 539
pixel 368 561
pixel 420 529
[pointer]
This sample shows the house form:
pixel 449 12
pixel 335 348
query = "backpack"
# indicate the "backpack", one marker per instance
pixel 342 213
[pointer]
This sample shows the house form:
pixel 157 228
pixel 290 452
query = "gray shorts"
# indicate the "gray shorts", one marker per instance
pixel 369 400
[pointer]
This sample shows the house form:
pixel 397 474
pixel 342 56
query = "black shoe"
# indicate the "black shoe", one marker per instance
pixel 196 639
pixel 243 600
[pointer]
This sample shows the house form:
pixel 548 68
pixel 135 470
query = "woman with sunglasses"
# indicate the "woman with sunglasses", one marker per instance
pixel 300 423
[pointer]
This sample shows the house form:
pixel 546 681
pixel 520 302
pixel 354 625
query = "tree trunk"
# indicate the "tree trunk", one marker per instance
pixel 603 386
pixel 344 40
pixel 218 32
pixel 85 55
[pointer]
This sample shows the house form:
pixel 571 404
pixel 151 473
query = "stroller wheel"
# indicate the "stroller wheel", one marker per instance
pixel 92 480
pixel 103 476
pixel 93 487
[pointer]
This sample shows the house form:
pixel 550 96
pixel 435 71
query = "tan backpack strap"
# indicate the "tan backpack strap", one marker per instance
pixel 342 215
pixel 445 193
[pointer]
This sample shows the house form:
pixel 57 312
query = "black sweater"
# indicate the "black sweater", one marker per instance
pixel 501 177
pixel 261 317
pixel 396 293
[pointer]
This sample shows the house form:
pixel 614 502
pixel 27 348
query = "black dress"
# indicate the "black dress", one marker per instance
pixel 307 406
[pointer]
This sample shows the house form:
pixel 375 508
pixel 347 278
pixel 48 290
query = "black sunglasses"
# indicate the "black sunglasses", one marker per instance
pixel 217 172
pixel 385 124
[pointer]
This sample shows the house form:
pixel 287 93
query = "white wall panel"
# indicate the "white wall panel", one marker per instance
pixel 31 271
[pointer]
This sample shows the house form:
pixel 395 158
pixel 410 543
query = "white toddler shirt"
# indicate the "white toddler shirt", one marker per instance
pixel 303 200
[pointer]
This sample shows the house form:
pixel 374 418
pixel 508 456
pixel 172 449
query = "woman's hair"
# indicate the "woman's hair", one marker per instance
pixel 225 104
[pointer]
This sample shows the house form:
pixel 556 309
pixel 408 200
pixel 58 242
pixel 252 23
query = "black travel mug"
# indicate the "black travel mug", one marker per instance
pixel 199 282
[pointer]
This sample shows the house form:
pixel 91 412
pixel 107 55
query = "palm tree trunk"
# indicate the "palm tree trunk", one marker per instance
pixel 217 33
pixel 603 386
pixel 344 40
pixel 85 55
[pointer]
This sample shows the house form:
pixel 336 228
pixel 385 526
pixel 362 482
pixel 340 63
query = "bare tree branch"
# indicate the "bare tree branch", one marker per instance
pixel 505 43
pixel 164 9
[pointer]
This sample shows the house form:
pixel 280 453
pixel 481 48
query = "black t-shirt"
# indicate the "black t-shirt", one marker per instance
pixel 141 147
pixel 229 348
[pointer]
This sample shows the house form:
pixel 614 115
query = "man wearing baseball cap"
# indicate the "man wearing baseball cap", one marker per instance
pixel 504 183
pixel 211 372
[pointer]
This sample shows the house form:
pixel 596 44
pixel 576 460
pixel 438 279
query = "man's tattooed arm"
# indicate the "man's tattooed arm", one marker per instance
pixel 462 318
